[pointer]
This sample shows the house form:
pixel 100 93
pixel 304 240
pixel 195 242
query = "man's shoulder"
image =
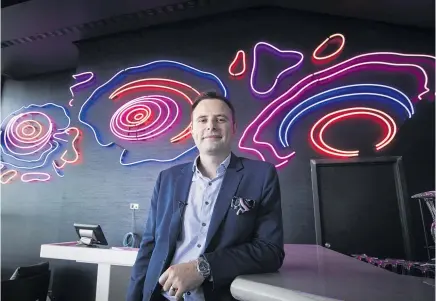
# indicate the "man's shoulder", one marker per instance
pixel 175 170
pixel 256 164
pixel 249 164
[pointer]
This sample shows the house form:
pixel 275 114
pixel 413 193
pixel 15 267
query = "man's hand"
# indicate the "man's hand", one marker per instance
pixel 180 278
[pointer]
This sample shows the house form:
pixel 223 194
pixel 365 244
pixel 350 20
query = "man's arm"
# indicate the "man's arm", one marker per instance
pixel 136 285
pixel 264 254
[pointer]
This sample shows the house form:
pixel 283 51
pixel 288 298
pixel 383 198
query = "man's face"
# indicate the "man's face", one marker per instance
pixel 212 127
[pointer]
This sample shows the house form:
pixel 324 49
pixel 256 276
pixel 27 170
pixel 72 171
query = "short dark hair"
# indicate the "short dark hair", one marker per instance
pixel 213 95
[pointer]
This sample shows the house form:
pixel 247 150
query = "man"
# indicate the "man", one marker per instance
pixel 210 221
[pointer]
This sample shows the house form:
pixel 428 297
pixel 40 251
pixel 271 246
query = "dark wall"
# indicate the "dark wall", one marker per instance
pixel 99 189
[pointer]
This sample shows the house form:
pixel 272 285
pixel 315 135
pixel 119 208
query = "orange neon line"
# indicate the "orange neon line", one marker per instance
pixel 76 153
pixel 117 91
pixel 324 44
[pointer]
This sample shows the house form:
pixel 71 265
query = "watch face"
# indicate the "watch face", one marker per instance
pixel 203 267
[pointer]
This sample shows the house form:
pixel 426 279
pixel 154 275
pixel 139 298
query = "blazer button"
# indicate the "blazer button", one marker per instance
pixel 188 293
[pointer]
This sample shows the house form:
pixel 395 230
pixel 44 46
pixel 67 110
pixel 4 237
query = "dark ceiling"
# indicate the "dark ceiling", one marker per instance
pixel 6 3
pixel 38 35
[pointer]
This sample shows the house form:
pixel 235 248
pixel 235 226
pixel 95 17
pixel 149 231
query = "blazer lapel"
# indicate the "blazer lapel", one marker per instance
pixel 228 189
pixel 180 198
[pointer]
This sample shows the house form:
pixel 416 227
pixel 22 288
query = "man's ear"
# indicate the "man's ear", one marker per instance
pixel 234 127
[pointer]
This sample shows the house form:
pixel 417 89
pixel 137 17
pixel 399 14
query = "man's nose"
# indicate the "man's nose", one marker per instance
pixel 211 125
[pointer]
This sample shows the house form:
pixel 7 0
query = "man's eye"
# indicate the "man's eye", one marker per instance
pixel 221 119
pixel 202 120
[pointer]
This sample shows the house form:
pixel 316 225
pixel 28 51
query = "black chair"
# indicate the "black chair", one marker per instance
pixel 28 283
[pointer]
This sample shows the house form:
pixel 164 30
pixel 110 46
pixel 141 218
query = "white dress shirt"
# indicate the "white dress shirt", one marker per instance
pixel 198 213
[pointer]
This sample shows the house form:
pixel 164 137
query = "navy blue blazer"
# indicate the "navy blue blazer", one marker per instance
pixel 247 243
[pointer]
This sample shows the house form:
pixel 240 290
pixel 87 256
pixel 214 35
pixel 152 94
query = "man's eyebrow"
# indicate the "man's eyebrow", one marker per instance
pixel 218 115
pixel 222 115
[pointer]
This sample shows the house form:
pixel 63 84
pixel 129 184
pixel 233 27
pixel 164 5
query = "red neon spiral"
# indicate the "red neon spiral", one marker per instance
pixel 173 87
pixel 25 133
pixel 135 119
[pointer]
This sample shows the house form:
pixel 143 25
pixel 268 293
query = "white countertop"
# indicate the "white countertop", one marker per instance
pixel 309 272
pixel 312 272
pixel 70 251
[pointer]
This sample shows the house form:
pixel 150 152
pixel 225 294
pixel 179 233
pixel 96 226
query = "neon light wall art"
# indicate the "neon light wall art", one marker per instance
pixel 36 143
pixel 263 46
pixel 319 58
pixel 321 89
pixel 139 106
pixel 84 80
pixel 238 66
pixel 318 129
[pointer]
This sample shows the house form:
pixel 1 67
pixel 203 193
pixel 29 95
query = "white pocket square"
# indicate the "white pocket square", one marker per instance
pixel 242 205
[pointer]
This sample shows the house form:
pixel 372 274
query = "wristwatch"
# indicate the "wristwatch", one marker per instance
pixel 203 267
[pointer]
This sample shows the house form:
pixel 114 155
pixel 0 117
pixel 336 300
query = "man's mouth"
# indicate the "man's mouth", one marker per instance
pixel 212 137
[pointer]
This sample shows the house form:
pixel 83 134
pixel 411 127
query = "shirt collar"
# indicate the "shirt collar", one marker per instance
pixel 220 169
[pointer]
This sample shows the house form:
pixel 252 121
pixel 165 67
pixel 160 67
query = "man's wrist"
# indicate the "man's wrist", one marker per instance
pixel 203 267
